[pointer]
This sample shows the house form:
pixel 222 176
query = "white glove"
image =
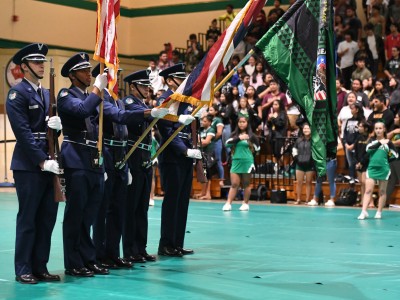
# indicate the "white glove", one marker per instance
pixel 101 81
pixel 105 176
pixel 201 111
pixel 55 123
pixel 51 166
pixel 159 112
pixel 129 177
pixel 193 153
pixel 186 119
pixel 155 161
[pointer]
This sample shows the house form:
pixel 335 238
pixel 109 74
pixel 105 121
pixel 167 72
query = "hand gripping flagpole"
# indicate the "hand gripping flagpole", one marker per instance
pixel 122 163
pixel 101 117
pixel 218 87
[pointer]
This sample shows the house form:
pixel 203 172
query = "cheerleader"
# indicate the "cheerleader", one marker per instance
pixel 380 151
pixel 243 143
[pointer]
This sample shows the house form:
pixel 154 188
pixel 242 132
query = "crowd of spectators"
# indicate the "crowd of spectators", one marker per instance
pixel 368 82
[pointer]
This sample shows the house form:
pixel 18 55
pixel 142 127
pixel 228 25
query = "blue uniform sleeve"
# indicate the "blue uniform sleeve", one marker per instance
pixel 68 104
pixel 167 128
pixel 17 111
pixel 129 116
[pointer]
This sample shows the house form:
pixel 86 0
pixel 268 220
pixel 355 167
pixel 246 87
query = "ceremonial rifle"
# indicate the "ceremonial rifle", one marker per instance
pixel 54 148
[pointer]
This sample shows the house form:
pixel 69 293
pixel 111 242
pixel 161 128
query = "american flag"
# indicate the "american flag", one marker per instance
pixel 106 40
pixel 199 85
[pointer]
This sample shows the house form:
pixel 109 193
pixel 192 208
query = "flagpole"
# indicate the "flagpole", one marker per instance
pixel 121 164
pixel 223 81
pixel 101 116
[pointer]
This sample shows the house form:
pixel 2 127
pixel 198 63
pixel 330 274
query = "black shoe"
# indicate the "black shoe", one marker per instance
pixel 96 269
pixel 26 279
pixel 46 276
pixel 137 259
pixel 79 272
pixel 169 251
pixel 185 251
pixel 107 264
pixel 148 257
pixel 121 262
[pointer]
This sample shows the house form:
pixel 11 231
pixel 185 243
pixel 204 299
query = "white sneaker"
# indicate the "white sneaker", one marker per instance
pixel 227 207
pixel 312 203
pixel 151 202
pixel 330 203
pixel 378 215
pixel 363 215
pixel 244 207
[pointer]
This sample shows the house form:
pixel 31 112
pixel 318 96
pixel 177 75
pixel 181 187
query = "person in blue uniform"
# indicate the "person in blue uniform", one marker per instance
pixel 176 168
pixel 136 218
pixel 84 171
pixel 108 228
pixel 84 175
pixel 33 170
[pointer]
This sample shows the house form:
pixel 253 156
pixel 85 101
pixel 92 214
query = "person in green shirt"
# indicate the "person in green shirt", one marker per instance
pixel 155 144
pixel 243 143
pixel 207 135
pixel 218 127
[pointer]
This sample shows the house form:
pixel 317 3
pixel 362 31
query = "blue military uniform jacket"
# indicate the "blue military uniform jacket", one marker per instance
pixel 176 150
pixel 73 108
pixel 79 117
pixel 113 131
pixel 27 112
pixel 134 132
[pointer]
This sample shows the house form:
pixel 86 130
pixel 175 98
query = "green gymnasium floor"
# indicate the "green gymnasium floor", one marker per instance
pixel 270 252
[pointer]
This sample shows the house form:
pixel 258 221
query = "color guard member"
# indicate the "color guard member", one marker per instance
pixel 176 167
pixel 27 108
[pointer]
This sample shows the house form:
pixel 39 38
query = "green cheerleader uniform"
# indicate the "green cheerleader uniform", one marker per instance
pixel 217 121
pixel 203 134
pixel 154 146
pixel 242 159
pixel 379 156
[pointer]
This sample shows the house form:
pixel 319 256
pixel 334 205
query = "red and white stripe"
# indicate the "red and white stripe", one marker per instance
pixel 106 50
pixel 202 80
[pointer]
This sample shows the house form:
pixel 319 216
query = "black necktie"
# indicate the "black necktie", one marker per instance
pixel 39 91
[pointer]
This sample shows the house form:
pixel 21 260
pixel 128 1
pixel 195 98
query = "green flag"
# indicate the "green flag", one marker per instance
pixel 300 50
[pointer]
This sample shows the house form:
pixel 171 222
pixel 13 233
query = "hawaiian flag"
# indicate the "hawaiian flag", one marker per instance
pixel 106 50
pixel 198 87
pixel 300 49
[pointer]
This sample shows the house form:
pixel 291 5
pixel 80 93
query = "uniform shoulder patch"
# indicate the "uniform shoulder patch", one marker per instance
pixel 63 93
pixel 12 94
pixel 128 101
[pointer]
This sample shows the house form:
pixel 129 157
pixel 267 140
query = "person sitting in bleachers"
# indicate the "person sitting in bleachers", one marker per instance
pixel 194 53
pixel 213 32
